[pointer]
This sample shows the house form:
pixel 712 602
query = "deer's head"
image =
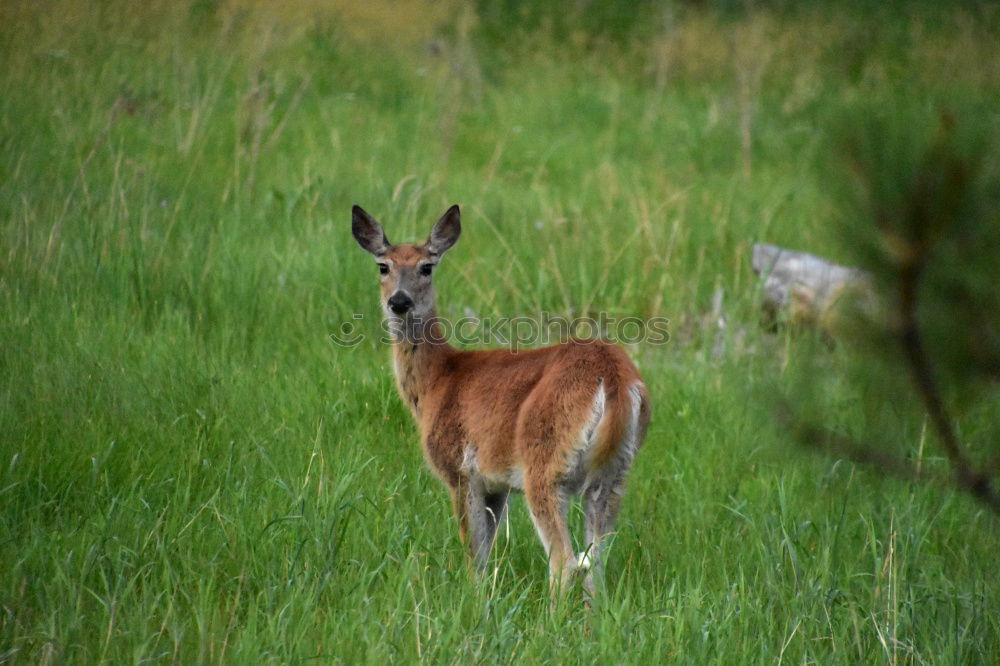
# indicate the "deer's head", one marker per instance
pixel 405 270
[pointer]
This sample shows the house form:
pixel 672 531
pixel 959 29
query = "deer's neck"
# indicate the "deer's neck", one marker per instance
pixel 417 361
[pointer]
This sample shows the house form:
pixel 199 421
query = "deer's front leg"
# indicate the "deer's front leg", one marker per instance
pixel 479 513
pixel 459 504
pixel 491 514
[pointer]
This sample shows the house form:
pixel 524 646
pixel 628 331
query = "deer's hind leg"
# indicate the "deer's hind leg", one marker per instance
pixel 547 505
pixel 603 496
pixel 602 501
pixel 555 430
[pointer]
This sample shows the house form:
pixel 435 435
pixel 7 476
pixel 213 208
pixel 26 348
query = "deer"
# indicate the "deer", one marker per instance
pixel 551 423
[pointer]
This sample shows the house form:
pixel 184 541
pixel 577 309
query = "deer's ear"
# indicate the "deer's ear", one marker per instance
pixel 368 232
pixel 446 232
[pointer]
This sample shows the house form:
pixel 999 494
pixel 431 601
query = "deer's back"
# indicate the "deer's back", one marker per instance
pixel 514 408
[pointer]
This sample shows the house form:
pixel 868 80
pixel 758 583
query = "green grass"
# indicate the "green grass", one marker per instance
pixel 191 471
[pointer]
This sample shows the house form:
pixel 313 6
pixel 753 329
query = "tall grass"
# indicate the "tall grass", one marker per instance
pixel 191 471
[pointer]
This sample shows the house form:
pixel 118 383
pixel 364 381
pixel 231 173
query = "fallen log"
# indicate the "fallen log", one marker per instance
pixel 807 286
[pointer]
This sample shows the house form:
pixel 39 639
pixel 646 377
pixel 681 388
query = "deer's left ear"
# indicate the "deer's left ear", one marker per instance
pixel 368 232
pixel 446 232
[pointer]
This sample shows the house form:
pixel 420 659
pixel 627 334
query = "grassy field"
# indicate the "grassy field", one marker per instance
pixel 191 471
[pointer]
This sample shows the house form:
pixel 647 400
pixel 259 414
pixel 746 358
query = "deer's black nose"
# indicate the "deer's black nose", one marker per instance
pixel 400 303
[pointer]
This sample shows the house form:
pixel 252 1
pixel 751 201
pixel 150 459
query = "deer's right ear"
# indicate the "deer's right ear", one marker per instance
pixel 368 232
pixel 446 232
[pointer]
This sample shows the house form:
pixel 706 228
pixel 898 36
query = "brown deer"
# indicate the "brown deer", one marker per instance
pixel 552 422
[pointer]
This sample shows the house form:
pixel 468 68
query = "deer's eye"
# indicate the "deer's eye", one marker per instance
pixel 383 269
pixel 426 269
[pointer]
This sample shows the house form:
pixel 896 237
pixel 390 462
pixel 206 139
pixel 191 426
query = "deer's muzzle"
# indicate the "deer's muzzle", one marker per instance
pixel 400 303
